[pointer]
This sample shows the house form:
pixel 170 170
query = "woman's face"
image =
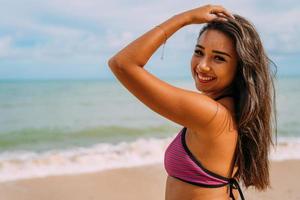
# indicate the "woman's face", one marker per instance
pixel 214 63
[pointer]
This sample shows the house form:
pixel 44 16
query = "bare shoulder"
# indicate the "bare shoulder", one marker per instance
pixel 223 121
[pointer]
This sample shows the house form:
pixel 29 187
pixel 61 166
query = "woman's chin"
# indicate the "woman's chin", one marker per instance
pixel 202 88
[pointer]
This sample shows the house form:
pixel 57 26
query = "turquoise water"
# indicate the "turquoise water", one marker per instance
pixel 45 115
pixel 288 95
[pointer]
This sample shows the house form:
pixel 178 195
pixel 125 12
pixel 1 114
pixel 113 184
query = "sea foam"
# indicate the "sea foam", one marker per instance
pixel 24 165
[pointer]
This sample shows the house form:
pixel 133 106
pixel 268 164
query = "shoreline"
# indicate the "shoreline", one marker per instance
pixel 133 183
pixel 104 156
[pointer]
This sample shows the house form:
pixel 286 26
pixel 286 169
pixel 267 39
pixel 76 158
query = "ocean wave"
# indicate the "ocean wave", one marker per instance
pixel 27 164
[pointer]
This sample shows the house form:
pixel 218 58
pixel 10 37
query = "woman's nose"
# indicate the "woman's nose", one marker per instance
pixel 202 66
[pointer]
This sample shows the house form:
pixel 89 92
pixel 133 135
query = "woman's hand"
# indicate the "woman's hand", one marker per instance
pixel 206 14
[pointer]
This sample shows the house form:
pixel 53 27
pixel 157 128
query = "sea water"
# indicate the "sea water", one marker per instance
pixel 72 126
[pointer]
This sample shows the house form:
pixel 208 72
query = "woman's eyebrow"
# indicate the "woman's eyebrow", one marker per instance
pixel 215 51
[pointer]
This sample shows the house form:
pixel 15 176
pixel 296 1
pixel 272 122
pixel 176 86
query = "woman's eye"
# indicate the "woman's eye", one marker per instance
pixel 198 52
pixel 219 58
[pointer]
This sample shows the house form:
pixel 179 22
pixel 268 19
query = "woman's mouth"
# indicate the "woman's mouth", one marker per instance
pixel 205 79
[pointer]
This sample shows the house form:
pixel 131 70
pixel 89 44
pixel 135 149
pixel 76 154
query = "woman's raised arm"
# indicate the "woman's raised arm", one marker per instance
pixel 140 50
pixel 188 108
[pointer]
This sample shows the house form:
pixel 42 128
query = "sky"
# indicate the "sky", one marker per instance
pixel 73 39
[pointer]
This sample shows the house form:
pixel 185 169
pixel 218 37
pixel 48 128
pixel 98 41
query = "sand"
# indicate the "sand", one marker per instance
pixel 136 183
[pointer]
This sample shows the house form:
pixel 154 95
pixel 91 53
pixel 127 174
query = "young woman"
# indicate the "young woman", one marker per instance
pixel 227 129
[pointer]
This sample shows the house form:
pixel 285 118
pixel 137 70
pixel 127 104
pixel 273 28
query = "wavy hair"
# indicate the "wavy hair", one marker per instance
pixel 255 103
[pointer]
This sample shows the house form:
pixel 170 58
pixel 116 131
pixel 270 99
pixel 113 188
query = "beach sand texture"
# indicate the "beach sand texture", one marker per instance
pixel 136 183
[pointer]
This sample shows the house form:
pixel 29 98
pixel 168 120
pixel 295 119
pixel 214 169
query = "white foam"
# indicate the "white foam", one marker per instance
pixel 22 165
pixel 287 148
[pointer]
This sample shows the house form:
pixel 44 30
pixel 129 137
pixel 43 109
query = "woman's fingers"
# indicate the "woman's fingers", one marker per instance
pixel 207 13
pixel 221 10
pixel 222 17
pixel 219 17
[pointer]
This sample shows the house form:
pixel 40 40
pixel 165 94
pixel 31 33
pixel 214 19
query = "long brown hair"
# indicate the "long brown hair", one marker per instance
pixel 255 103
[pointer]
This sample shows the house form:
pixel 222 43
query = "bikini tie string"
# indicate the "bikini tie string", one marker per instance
pixel 235 185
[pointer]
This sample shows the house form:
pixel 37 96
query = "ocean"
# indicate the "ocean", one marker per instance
pixel 73 126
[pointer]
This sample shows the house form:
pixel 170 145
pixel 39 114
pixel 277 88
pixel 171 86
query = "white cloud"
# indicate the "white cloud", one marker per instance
pixel 117 40
pixel 5 46
pixel 96 27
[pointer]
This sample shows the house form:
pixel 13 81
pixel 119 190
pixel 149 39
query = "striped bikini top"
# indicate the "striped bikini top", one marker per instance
pixel 180 163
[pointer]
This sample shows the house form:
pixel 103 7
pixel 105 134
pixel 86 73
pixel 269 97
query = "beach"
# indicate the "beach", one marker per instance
pixel 136 183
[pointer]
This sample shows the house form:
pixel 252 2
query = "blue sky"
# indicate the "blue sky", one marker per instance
pixel 73 39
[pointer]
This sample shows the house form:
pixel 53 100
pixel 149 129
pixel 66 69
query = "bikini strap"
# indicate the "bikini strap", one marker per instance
pixel 233 184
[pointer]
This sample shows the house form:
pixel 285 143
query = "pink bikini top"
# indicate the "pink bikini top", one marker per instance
pixel 180 163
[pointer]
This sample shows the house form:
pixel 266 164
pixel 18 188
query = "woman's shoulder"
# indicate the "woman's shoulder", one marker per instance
pixel 223 121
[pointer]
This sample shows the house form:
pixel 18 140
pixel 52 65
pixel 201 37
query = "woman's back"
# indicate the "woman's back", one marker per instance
pixel 192 161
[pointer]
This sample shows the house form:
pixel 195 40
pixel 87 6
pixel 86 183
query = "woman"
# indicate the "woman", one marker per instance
pixel 227 128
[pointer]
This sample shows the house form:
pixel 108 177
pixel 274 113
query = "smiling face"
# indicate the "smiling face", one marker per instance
pixel 214 63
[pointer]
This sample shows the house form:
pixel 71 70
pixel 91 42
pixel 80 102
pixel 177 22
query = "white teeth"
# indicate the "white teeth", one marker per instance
pixel 205 78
